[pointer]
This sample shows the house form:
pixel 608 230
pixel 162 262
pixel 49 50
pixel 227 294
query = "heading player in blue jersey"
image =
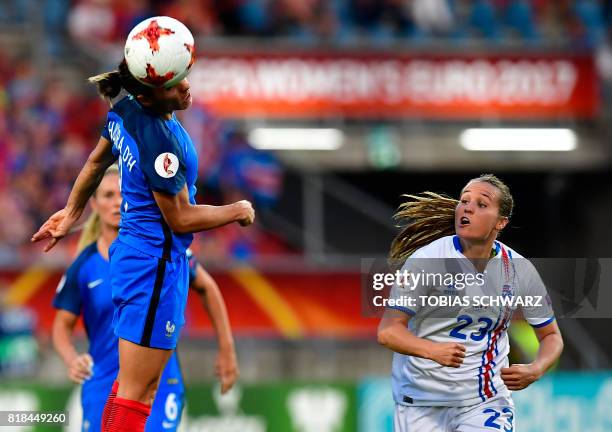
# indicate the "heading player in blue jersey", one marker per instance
pixel 85 289
pixel 148 265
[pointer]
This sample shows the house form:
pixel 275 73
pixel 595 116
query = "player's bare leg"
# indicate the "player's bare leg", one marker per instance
pixel 140 369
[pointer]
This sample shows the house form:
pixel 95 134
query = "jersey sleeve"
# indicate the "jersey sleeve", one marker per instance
pixel 541 312
pixel 193 266
pixel 68 294
pixel 105 133
pixel 162 159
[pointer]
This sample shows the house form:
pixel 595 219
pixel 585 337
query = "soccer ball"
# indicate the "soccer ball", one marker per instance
pixel 160 51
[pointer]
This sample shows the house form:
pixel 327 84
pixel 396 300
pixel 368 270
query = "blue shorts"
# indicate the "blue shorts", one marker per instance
pixel 149 294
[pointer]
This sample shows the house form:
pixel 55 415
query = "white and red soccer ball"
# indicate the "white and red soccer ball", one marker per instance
pixel 160 51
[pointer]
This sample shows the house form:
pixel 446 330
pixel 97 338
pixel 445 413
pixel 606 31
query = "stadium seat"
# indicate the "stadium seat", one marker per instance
pixel 519 17
pixel 483 20
pixel 590 15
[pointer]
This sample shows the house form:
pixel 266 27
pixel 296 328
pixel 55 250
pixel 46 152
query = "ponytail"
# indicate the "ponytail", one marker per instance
pixel 428 217
pixel 91 227
pixel 109 84
pixel 90 233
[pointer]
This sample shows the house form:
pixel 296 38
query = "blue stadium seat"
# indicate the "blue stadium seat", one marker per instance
pixel 590 14
pixel 519 17
pixel 483 19
pixel 254 16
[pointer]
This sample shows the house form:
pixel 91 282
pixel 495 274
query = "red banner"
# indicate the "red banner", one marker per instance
pixel 316 85
pixel 315 309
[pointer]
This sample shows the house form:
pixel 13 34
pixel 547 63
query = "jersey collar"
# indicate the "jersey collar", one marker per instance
pixel 459 248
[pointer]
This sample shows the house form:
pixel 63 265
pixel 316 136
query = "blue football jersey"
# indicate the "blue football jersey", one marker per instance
pixel 85 290
pixel 154 154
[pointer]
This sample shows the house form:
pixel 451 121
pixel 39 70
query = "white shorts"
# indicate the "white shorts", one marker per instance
pixel 492 415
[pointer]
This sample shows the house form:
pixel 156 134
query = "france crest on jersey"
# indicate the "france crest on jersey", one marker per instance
pixel 154 154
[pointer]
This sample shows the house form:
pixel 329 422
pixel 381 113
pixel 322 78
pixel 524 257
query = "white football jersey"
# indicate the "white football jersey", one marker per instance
pixel 453 302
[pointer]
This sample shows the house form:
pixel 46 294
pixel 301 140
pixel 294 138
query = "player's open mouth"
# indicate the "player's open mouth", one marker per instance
pixel 464 221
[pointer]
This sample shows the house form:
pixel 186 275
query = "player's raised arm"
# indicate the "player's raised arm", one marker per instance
pixel 393 333
pixel 59 224
pixel 184 217
pixel 226 364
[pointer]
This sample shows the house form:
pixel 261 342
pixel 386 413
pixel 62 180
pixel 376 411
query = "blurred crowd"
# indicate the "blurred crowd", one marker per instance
pixel 47 131
pixel 340 21
pixel 43 142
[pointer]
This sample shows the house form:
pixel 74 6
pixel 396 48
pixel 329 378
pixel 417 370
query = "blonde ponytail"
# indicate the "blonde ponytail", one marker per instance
pixel 90 233
pixel 91 228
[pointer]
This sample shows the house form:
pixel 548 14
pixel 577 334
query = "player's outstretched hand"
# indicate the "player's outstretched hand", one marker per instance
pixel 227 369
pixel 246 214
pixel 448 354
pixel 55 228
pixel 81 368
pixel 519 376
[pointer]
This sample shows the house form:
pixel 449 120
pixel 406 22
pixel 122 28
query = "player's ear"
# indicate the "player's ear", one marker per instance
pixel 144 100
pixel 501 223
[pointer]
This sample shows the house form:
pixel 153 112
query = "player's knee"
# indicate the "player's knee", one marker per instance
pixel 147 394
pixel 152 395
pixel 152 389
pixel 141 390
